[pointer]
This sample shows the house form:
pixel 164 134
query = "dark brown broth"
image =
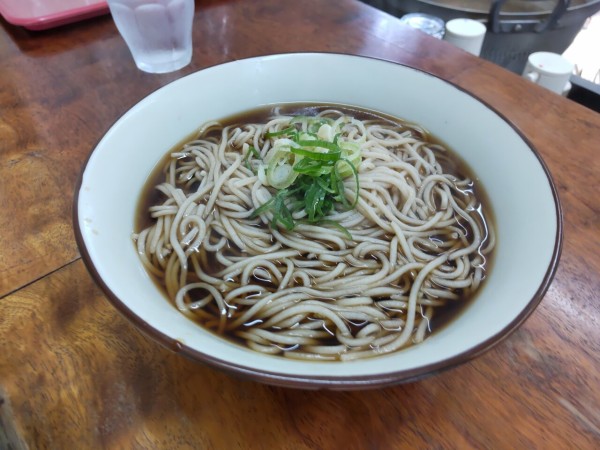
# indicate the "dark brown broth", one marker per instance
pixel 454 165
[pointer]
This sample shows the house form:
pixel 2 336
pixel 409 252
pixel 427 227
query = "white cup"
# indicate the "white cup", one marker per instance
pixel 157 32
pixel 467 34
pixel 549 70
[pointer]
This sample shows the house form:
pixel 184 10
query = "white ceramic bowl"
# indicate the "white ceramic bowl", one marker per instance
pixel 518 184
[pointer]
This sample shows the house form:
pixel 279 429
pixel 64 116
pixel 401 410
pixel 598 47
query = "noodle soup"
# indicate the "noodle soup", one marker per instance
pixel 320 232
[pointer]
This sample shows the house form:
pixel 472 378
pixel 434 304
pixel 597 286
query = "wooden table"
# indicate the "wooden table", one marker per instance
pixel 75 374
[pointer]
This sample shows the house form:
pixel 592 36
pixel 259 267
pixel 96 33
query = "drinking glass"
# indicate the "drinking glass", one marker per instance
pixel 157 32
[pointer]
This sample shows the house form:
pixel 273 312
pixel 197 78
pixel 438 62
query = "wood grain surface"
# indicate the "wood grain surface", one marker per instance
pixel 75 374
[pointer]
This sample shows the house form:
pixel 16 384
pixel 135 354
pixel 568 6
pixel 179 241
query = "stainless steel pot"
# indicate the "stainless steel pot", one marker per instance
pixel 516 28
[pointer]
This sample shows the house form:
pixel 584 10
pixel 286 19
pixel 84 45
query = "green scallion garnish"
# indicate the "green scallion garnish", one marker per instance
pixel 320 168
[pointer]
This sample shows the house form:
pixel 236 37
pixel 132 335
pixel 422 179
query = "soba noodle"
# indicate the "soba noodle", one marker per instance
pixel 366 281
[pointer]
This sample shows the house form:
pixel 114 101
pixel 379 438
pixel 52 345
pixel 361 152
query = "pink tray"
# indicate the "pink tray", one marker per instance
pixel 43 14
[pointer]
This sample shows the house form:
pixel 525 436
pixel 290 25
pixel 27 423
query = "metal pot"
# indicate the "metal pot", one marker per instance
pixel 516 28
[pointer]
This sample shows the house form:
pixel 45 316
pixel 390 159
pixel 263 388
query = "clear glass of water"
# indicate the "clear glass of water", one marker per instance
pixel 157 32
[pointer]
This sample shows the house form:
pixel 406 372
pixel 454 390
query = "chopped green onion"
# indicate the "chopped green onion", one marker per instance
pixel 330 156
pixel 265 206
pixel 313 201
pixel 289 130
pixel 309 171
pixel 320 143
pixel 334 224
pixel 251 152
pixel 338 180
pixel 312 167
pixel 282 214
pixel 280 172
pixel 322 181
